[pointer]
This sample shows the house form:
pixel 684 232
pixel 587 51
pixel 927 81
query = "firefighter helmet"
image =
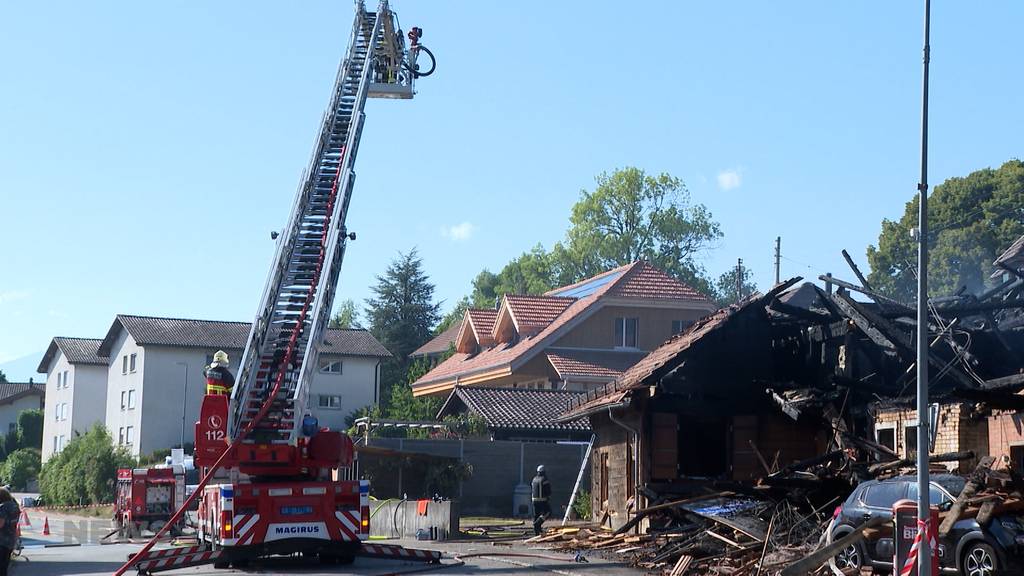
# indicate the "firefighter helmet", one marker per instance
pixel 221 357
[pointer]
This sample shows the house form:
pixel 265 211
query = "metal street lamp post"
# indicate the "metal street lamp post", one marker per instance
pixel 184 402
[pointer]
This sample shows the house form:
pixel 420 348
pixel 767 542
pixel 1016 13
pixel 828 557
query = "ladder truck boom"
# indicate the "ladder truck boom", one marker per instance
pixel 281 486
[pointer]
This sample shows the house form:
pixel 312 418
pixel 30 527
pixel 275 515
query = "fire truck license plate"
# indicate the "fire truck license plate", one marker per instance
pixel 296 510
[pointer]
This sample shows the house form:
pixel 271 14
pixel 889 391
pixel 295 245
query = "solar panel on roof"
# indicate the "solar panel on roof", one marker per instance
pixel 587 288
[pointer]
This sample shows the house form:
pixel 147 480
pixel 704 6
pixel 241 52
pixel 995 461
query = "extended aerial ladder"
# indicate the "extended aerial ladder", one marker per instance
pixel 257 445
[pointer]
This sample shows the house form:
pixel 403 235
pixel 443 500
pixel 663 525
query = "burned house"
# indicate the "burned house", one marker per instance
pixel 795 379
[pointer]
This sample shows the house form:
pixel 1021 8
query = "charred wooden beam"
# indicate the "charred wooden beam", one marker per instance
pixel 879 298
pixel 975 482
pixel 856 271
pixel 798 312
pixel 876 469
pixel 1010 383
pixel 881 331
pixel 963 310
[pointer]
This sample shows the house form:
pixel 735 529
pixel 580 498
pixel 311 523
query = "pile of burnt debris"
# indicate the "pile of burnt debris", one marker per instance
pixel 777 526
pixel 827 361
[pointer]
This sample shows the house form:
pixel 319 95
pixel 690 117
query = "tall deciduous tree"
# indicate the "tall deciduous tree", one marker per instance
pixel 3 377
pixel 971 219
pixel 401 315
pixel 630 216
pixel 346 317
pixel 730 291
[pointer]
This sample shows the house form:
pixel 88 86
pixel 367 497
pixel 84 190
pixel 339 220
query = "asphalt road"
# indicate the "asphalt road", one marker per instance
pixel 480 558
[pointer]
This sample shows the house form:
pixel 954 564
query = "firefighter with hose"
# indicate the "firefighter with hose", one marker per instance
pixel 219 379
pixel 540 492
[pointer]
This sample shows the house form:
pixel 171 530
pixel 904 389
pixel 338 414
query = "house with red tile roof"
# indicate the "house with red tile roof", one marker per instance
pixel 576 337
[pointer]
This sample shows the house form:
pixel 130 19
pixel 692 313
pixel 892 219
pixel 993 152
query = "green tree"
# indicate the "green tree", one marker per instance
pixel 971 220
pixel 346 317
pixel 30 428
pixel 631 216
pixel 402 314
pixel 85 471
pixel 21 466
pixel 726 286
pixel 3 377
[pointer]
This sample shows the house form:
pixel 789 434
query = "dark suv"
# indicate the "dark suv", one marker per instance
pixel 969 549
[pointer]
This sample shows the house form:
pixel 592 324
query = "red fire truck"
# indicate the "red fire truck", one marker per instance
pixel 147 497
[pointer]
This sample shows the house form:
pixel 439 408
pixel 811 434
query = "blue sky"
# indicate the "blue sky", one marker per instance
pixel 148 149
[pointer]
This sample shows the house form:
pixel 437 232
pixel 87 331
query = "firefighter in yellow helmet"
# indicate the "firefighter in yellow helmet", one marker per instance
pixel 219 379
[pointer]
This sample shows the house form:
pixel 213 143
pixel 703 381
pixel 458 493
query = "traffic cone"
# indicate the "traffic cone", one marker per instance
pixel 46 526
pixel 25 520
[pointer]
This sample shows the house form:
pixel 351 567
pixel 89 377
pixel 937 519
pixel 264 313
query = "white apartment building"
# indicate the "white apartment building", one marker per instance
pixel 76 390
pixel 154 380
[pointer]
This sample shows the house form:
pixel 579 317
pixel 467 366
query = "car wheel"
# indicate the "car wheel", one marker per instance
pixel 850 557
pixel 979 560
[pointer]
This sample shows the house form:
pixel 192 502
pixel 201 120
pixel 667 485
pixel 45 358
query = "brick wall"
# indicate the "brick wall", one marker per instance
pixel 957 430
pixel 1004 432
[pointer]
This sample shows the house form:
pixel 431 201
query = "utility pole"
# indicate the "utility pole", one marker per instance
pixel 924 556
pixel 778 257
pixel 739 279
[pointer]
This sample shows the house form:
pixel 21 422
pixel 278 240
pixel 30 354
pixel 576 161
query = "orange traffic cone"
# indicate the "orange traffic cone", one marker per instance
pixel 25 520
pixel 46 526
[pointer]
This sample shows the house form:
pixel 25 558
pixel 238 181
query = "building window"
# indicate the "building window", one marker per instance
pixel 679 325
pixel 331 402
pixel 910 441
pixel 62 443
pixel 129 435
pixel 120 436
pixel 330 366
pixel 887 437
pixel 131 363
pixel 55 444
pixel 131 399
pixel 124 398
pixel 11 427
pixel 625 332
pixel 124 364
pixel 1017 458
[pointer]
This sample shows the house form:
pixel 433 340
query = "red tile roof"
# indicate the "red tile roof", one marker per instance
pixel 482 320
pixel 532 313
pixel 646 281
pixel 591 364
pixel 508 356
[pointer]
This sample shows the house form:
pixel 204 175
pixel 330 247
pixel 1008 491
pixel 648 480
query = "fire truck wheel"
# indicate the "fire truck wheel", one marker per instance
pixel 222 564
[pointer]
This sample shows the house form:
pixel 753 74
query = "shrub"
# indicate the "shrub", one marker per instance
pixel 30 429
pixel 582 506
pixel 20 467
pixel 85 472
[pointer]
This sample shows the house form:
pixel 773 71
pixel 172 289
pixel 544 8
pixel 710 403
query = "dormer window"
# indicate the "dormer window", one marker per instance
pixel 625 332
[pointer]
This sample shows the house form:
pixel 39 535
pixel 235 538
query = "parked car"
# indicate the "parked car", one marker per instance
pixel 969 549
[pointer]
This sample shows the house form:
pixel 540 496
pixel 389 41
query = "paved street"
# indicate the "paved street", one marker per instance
pixel 480 557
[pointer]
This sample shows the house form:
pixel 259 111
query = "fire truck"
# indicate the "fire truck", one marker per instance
pixel 273 481
pixel 147 497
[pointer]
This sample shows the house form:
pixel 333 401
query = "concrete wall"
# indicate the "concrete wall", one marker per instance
pixel 85 396
pixel 498 467
pixel 398 519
